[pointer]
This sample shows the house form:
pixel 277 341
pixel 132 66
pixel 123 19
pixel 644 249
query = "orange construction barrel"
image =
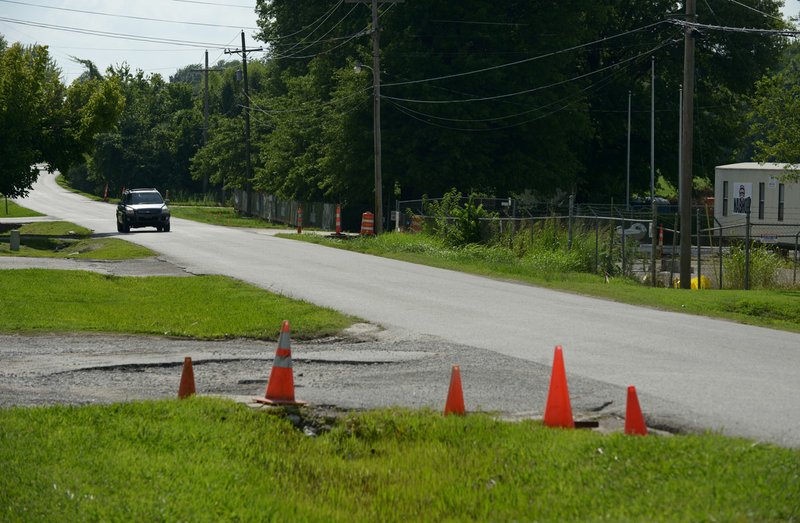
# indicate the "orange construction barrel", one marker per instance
pixel 367 224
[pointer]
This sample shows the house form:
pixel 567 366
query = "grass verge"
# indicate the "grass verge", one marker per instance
pixel 198 307
pixel 225 216
pixel 67 240
pixel 206 459
pixel 15 211
pixel 775 309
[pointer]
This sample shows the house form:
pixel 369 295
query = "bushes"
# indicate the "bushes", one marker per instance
pixel 455 223
pixel 764 265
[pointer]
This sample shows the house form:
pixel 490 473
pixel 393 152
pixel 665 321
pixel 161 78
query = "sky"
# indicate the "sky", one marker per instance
pixel 200 25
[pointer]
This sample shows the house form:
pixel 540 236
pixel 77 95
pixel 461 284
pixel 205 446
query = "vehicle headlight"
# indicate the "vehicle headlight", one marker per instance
pixel 129 211
pixel 165 211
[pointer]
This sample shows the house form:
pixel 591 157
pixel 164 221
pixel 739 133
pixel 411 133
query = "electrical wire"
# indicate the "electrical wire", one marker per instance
pixel 564 101
pixel 214 3
pixel 118 36
pixel 745 30
pixel 131 17
pixel 348 40
pixel 316 104
pixel 287 55
pixel 321 20
pixel 593 86
pixel 756 10
pixel 526 60
pixel 367 30
pixel 541 87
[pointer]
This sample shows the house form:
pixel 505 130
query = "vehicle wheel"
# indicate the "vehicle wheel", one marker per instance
pixel 126 228
pixel 166 228
pixel 119 226
pixel 159 228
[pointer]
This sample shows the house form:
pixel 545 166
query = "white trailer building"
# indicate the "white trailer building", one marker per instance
pixel 774 204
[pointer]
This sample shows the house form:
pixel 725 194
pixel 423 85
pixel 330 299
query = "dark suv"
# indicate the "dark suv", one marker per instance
pixel 142 208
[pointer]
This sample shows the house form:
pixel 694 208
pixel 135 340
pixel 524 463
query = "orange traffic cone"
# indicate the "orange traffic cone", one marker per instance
pixel 558 412
pixel 634 421
pixel 186 388
pixel 280 387
pixel 455 397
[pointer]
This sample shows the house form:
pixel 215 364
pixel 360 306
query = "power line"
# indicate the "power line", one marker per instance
pixel 214 3
pixel 319 39
pixel 363 32
pixel 315 104
pixel 468 22
pixel 131 17
pixel 756 10
pixel 593 86
pixel 745 30
pixel 347 39
pixel 526 60
pixel 325 15
pixel 542 87
pixel 118 36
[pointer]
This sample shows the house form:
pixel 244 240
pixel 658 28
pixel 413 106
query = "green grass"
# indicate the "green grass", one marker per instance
pixel 778 309
pixel 226 216
pixel 15 211
pixel 200 307
pixel 206 459
pixel 64 183
pixel 67 240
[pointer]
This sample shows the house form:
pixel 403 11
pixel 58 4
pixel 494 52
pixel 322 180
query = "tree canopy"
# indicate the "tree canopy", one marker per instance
pixel 515 97
pixel 775 115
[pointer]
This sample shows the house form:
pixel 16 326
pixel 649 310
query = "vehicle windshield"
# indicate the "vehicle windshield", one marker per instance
pixel 146 197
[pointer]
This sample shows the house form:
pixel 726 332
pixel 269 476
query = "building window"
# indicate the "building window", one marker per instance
pixel 761 200
pixel 781 192
pixel 725 198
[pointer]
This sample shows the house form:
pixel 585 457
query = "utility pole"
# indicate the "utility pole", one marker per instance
pixel 628 162
pixel 680 144
pixel 205 72
pixel 652 129
pixel 376 115
pixel 687 134
pixel 248 164
pixel 376 108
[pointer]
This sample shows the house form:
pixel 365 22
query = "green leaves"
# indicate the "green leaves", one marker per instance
pixel 775 119
pixel 25 82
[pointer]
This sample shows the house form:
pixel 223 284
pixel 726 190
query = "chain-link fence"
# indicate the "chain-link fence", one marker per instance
pixel 625 241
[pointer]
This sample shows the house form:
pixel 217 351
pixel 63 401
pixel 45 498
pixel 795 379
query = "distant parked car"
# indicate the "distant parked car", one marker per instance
pixel 142 208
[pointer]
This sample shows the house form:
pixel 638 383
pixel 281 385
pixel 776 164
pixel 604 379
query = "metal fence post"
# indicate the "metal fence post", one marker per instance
pixel 747 250
pixel 569 223
pixel 624 258
pixel 597 245
pixel 653 246
pixel 794 277
pixel 672 258
pixel 699 250
pixel 720 251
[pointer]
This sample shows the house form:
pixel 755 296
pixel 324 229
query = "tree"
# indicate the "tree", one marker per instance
pixel 28 86
pixel 554 122
pixel 775 115
pixel 92 105
pixel 157 134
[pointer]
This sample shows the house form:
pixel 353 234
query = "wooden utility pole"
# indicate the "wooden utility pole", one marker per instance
pixel 205 72
pixel 376 108
pixel 248 164
pixel 376 116
pixel 687 134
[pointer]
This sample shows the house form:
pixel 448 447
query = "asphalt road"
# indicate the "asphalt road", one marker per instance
pixel 712 374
